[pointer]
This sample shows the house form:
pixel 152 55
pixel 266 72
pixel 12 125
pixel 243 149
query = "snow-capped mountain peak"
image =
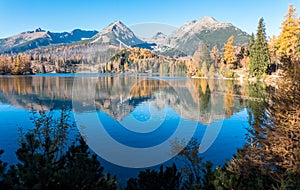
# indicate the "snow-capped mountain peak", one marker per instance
pixel 196 26
pixel 116 27
pixel 159 35
pixel 117 32
pixel 208 19
pixel 210 23
pixel 160 39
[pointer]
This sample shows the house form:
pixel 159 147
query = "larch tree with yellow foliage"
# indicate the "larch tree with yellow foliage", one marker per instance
pixel 229 53
pixel 272 46
pixel 288 40
pixel 204 69
pixel 215 56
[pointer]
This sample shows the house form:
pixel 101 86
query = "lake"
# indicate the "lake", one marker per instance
pixel 131 120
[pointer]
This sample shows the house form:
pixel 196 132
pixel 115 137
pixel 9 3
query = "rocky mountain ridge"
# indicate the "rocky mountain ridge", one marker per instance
pixel 38 38
pixel 183 41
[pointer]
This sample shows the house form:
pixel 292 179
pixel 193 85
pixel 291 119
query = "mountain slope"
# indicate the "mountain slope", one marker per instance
pixel 194 27
pixel 208 30
pixel 38 38
pixel 159 38
pixel 181 42
pixel 117 33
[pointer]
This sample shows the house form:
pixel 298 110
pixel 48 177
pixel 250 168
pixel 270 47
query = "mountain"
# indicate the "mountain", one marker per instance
pixel 38 38
pixel 117 33
pixel 208 30
pixel 194 27
pixel 159 42
pixel 159 38
pixel 184 41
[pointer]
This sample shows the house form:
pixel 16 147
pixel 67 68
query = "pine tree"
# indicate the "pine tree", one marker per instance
pixel 276 133
pixel 2 168
pixel 259 53
pixel 152 179
pixel 271 157
pixel 47 162
pixel 251 44
pixel 240 56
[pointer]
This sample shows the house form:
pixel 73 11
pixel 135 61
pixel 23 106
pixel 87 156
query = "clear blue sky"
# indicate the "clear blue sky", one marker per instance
pixel 58 15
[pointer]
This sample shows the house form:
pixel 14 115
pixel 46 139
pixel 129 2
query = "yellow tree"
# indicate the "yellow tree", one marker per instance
pixel 228 101
pixel 126 66
pixel 212 69
pixel 215 55
pixel 288 40
pixel 25 66
pixel 272 46
pixel 16 66
pixel 204 69
pixel 203 84
pixel 57 66
pixel 229 53
pixel 198 55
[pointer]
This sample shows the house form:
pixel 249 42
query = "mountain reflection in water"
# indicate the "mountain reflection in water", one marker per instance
pixel 117 97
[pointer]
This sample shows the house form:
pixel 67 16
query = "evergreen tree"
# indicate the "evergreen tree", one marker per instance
pixel 250 49
pixel 271 157
pixel 47 162
pixel 83 170
pixel 2 170
pixel 251 44
pixel 152 179
pixel 259 53
pixel 196 174
pixel 240 56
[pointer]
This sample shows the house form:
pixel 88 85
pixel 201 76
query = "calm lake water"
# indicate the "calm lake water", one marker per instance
pixel 135 110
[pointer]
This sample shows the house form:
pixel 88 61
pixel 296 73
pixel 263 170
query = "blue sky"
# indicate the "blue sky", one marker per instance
pixel 57 15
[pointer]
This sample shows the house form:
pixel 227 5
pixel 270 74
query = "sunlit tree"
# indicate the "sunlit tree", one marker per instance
pixel 206 55
pixel 212 69
pixel 288 40
pixel 215 56
pixel 272 45
pixel 198 55
pixel 204 69
pixel 229 53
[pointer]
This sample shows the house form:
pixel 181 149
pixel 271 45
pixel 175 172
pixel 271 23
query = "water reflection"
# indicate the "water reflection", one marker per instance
pixel 118 96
